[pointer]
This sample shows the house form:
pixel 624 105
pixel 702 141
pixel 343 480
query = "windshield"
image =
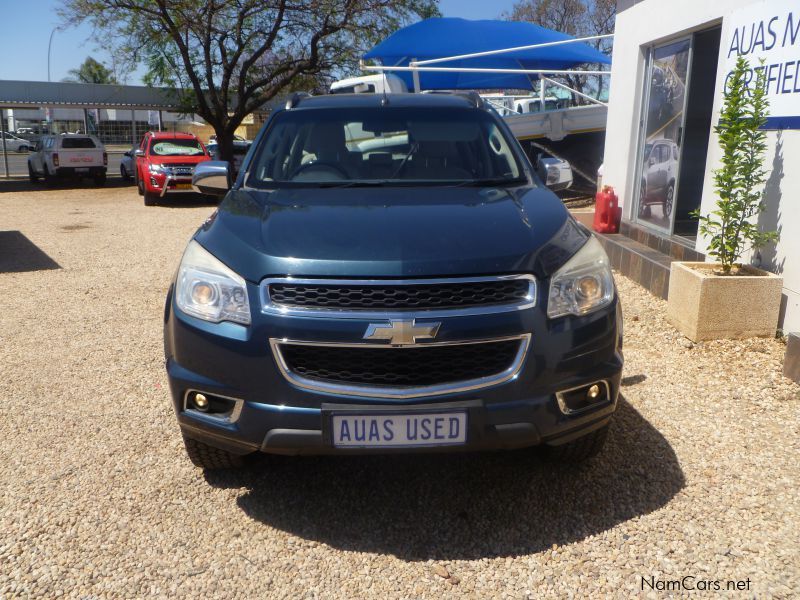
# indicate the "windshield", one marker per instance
pixel 383 145
pixel 176 147
pixel 76 142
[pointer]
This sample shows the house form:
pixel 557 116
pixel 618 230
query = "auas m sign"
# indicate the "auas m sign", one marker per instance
pixel 769 32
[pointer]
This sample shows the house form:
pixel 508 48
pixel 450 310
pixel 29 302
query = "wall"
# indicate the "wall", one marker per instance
pixel 654 21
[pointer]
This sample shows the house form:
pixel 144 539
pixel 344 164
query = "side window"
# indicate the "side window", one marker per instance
pixel 663 154
pixel 675 152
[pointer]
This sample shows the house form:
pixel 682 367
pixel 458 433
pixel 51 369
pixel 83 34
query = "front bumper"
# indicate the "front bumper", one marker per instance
pixel 275 416
pixel 162 184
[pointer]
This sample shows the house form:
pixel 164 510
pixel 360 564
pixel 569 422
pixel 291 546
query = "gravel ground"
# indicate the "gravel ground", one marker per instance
pixel 699 478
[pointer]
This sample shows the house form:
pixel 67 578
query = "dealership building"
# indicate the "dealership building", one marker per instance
pixel 670 63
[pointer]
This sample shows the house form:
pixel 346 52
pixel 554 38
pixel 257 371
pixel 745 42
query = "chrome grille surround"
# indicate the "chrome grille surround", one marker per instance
pixel 271 306
pixel 400 392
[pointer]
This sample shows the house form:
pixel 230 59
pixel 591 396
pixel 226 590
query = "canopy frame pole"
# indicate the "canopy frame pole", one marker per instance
pixel 415 77
pixel 542 81
pixel 574 91
pixel 478 70
pixel 432 61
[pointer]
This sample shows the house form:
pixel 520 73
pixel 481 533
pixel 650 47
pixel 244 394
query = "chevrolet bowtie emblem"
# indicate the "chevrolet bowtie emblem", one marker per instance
pixel 402 332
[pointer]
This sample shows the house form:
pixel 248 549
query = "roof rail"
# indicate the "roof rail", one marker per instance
pixel 295 98
pixel 470 95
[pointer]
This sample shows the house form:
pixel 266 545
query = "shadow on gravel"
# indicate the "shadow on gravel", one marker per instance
pixel 24 185
pixel 462 506
pixel 186 201
pixel 18 254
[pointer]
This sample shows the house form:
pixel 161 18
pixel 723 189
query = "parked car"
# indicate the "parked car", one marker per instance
pixel 432 295
pixel 15 144
pixel 659 175
pixel 127 164
pixel 212 139
pixel 534 104
pixel 165 163
pixel 369 84
pixel 68 156
pixel 240 148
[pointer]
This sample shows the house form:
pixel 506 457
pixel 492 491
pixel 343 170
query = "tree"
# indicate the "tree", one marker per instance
pixel 91 71
pixel 740 180
pixel 228 58
pixel 578 18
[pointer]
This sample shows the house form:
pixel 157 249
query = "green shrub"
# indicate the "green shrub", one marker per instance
pixel 739 183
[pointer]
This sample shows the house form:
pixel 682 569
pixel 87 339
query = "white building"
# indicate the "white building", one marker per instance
pixel 669 66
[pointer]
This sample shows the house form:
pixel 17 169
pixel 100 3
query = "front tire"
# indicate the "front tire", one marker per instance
pixel 32 174
pixel 669 200
pixel 150 199
pixel 208 457
pixel 123 172
pixel 584 448
pixel 23 149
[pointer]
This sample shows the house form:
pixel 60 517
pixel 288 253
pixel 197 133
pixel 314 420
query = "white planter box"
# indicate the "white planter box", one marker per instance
pixel 705 306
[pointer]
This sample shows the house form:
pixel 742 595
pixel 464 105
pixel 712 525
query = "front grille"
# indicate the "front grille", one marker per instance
pixel 377 296
pixel 180 171
pixel 400 367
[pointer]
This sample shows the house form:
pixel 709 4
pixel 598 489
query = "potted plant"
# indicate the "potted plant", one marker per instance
pixel 728 299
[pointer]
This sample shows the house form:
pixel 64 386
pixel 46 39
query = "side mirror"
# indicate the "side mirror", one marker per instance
pixel 556 173
pixel 138 152
pixel 212 177
pixel 651 161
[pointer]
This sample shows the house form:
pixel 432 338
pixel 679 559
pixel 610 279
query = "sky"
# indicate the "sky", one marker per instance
pixel 29 23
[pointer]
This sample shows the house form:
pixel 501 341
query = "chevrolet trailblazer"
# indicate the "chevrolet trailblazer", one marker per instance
pixel 388 274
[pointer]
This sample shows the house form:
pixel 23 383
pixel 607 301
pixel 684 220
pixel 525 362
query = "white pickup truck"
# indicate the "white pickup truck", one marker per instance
pixel 68 155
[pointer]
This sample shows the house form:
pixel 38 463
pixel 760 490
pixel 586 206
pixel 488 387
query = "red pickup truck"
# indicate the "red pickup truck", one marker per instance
pixel 165 163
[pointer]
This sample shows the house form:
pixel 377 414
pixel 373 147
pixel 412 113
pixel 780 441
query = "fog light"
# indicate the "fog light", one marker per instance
pixel 593 393
pixel 200 402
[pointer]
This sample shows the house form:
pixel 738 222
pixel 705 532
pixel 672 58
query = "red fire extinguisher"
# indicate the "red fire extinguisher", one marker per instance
pixel 606 211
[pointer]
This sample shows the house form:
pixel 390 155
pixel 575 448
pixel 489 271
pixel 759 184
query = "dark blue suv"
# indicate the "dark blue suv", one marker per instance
pixel 387 274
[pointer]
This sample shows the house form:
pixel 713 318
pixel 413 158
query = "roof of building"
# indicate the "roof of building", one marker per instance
pixel 25 94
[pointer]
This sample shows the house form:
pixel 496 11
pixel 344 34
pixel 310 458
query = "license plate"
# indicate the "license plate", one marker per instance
pixel 399 430
pixel 183 186
pixel 82 170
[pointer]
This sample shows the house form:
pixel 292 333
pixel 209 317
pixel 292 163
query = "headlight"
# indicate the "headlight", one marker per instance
pixel 157 169
pixel 209 290
pixel 583 284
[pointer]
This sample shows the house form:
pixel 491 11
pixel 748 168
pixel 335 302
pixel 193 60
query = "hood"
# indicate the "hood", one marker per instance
pixel 391 232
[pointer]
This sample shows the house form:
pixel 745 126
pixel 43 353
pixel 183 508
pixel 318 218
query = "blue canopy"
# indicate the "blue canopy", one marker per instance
pixel 439 38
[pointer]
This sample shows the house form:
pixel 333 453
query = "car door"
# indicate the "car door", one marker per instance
pixel 37 158
pixel 660 174
pixel 651 171
pixel 139 162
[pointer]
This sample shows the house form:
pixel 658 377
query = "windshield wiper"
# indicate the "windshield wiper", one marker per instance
pixel 412 150
pixel 496 181
pixel 356 183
